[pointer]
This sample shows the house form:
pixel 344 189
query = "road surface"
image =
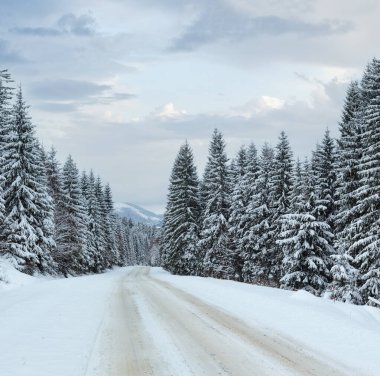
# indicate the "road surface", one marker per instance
pixel 154 328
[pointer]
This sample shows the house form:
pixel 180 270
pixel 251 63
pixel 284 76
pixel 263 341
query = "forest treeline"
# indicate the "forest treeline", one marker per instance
pixel 268 219
pixel 54 219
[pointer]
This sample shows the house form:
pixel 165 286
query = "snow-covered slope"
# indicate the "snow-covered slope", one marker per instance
pixel 11 278
pixel 137 213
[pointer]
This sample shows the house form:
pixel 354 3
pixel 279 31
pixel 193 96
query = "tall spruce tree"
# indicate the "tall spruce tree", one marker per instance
pixel 282 181
pixel 181 225
pixel 27 232
pixel 73 246
pixel 325 168
pixel 237 210
pixel 297 188
pixel 305 242
pixel 344 271
pixel 54 186
pixel 110 252
pixel 111 216
pixel 366 242
pixel 218 260
pixel 256 241
pixel 6 91
pixel 96 242
pixel 5 129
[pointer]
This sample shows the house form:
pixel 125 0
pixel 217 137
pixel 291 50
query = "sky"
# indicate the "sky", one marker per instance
pixel 121 84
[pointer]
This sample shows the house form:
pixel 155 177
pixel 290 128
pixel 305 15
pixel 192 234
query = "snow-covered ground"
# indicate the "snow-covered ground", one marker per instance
pixel 139 321
pixel 49 327
pixel 337 332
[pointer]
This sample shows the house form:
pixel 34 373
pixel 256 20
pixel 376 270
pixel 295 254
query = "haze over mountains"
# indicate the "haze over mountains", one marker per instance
pixel 138 214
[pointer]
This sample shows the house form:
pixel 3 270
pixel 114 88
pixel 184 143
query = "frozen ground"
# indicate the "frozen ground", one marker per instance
pixel 143 321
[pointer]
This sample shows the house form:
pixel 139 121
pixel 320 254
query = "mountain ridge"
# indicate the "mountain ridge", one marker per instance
pixel 138 214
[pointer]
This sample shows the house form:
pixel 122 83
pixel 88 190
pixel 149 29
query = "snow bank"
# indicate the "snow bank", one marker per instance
pixel 336 332
pixel 11 278
pixel 49 328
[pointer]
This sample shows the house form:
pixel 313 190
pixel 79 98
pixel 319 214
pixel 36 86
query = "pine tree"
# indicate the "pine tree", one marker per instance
pixel 27 233
pixel 297 188
pixel 110 253
pixel 218 261
pixel 282 181
pixel 366 242
pixel 305 242
pixel 181 224
pixel 55 191
pixel 256 242
pixel 6 91
pixel 121 242
pixel 111 215
pixel 73 245
pixel 96 241
pixel 344 271
pixel 5 130
pixel 237 210
pixel 129 256
pixel 325 169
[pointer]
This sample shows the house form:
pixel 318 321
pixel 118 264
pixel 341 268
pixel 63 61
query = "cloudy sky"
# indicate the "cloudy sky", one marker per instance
pixel 120 84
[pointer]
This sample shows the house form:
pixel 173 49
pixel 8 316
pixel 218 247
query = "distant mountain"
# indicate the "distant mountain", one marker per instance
pixel 138 214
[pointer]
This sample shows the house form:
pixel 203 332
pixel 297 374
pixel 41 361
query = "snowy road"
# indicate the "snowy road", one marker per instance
pixel 144 321
pixel 154 328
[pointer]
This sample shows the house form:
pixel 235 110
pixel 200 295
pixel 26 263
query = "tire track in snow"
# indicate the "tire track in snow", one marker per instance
pixel 282 351
pixel 154 328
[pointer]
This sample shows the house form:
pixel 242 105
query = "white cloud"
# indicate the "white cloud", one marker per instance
pixel 258 105
pixel 169 111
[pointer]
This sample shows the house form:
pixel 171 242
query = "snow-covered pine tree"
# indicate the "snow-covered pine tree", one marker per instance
pixel 73 245
pixel 344 271
pixel 45 206
pixel 252 172
pixel 5 129
pixel 325 168
pixel 131 254
pixel 256 243
pixel 305 242
pixel 297 189
pixel 54 186
pixel 282 182
pixel 248 184
pixel 366 242
pixel 214 243
pixel 121 241
pixel 27 233
pixel 96 242
pixel 110 252
pixel 6 91
pixel 181 225
pixel 110 212
pixel 237 210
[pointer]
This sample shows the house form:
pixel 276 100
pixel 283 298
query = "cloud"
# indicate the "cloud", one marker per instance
pixel 115 97
pixel 168 111
pixel 66 89
pixel 219 25
pixel 68 24
pixel 83 25
pixel 258 105
pixel 56 106
pixel 8 55
pixel 69 95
